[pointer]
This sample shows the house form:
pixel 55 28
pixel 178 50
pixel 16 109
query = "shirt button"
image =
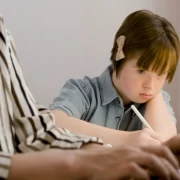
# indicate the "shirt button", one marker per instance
pixel 118 101
pixel 118 118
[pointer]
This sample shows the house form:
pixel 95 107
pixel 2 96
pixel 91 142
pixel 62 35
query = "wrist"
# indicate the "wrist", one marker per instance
pixel 123 137
pixel 156 98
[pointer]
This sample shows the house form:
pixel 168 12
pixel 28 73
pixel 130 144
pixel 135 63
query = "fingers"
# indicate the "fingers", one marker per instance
pixel 163 152
pixel 174 144
pixel 158 166
pixel 135 172
pixel 173 173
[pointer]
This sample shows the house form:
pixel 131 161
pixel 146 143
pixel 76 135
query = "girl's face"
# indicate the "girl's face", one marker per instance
pixel 137 85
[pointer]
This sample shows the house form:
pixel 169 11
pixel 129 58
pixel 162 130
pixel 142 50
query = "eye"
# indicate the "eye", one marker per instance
pixel 141 71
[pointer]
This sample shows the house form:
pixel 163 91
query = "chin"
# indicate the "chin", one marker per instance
pixel 140 101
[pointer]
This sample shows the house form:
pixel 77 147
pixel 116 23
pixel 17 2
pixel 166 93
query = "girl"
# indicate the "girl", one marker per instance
pixel 144 55
pixel 26 127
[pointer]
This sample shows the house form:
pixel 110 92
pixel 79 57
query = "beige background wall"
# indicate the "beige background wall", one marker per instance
pixel 60 39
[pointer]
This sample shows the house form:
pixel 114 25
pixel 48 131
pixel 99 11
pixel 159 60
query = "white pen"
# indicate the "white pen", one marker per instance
pixel 140 116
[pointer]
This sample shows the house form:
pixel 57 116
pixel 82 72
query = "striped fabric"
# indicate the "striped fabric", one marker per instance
pixel 24 125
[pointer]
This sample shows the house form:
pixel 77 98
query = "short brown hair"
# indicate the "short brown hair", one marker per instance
pixel 153 39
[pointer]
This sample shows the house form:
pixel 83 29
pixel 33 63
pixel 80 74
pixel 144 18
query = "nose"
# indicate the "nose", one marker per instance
pixel 148 83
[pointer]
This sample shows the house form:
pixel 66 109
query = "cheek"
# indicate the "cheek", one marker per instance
pixel 159 84
pixel 130 83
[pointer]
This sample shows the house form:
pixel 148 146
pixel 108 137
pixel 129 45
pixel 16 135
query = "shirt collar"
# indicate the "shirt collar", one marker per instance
pixel 107 91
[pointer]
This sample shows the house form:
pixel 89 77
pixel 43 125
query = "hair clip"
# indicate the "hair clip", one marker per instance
pixel 120 42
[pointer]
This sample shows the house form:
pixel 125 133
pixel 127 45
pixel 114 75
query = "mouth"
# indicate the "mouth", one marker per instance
pixel 145 95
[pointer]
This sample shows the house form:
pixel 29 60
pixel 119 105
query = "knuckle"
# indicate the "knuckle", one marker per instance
pixel 152 159
pixel 132 167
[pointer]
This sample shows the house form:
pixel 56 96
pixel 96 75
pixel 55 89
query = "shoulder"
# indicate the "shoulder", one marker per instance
pixel 85 84
pixel 165 95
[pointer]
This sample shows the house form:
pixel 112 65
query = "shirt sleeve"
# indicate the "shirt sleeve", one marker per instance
pixel 35 129
pixel 28 127
pixel 5 162
pixel 73 98
pixel 166 97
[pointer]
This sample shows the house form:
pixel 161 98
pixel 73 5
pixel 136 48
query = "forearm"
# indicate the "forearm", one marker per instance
pixel 158 116
pixel 53 164
pixel 81 127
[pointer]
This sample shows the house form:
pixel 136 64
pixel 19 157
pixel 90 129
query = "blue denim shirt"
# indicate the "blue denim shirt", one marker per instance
pixel 95 100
